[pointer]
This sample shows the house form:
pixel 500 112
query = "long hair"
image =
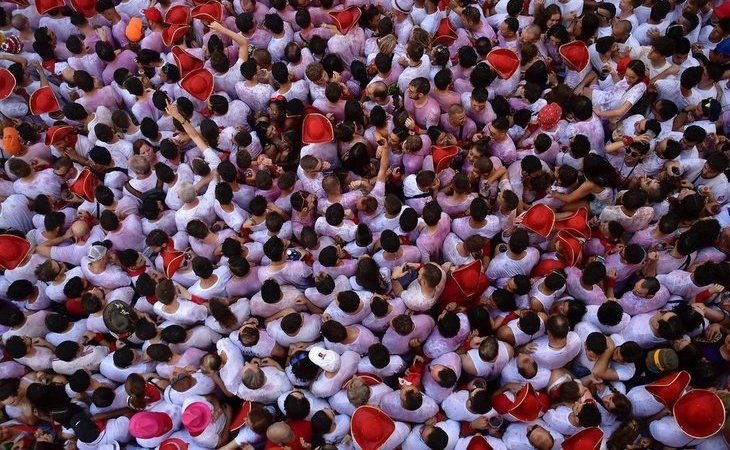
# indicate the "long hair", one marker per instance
pixel 598 170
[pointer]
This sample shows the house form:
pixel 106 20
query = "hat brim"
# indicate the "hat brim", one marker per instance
pixel 185 61
pixel 7 83
pixel 37 96
pixel 187 84
pixel 496 59
pixel 531 216
pixel 574 49
pixel 668 389
pixel 313 120
pixel 345 27
pixel 704 402
pixel 371 418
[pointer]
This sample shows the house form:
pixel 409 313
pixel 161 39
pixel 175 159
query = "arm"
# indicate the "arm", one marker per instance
pixel 14 58
pixel 583 190
pixel 614 113
pixel 600 369
pixel 671 71
pixel 45 248
pixel 238 38
pixel 187 126
pixel 383 154
pixel 279 315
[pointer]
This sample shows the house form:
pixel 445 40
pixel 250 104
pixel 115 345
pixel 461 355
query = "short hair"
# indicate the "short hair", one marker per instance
pixel 437 439
pixel 596 342
pixel 412 400
pixel 589 415
pixel 610 313
pixel 123 357
pixel 253 378
pixel 403 324
pixel 558 326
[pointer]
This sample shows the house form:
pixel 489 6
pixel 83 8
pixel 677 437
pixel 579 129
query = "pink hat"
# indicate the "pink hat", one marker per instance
pixel 196 417
pixel 149 424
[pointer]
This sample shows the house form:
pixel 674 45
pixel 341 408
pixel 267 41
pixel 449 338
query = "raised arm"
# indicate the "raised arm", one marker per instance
pixel 238 38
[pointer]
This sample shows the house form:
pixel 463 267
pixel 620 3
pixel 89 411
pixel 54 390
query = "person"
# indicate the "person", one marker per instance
pixel 317 225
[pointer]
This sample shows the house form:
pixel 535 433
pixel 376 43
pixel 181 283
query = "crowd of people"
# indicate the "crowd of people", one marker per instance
pixel 387 224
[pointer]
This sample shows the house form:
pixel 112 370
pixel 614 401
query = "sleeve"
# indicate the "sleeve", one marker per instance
pixel 634 94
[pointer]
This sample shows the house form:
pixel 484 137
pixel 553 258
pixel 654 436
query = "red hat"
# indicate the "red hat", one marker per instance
pixel 586 439
pixel 149 424
pixel 546 266
pixel 370 427
pixel 57 133
pixel 669 388
pixel 445 33
pixel 443 156
pixel 570 248
pixel 85 185
pixel 43 101
pixel 173 444
pixel 7 83
pixel 184 61
pixel 699 413
pixel 622 65
pixel 239 420
pixel 478 442
pixel 44 6
pixel 367 378
pixel 173 33
pixel 13 250
pixel 575 55
pixel 470 278
pixel 346 19
pixel 196 417
pixel 723 11
pixel 576 224
pixel 152 14
pixel 527 405
pixel 504 61
pixel 171 261
pixel 317 129
pixel 86 7
pixel 198 83
pixel 549 116
pixel 208 12
pixel 177 15
pixel 539 219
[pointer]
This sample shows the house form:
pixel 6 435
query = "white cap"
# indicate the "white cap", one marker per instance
pixel 404 6
pixel 326 359
pixel 96 252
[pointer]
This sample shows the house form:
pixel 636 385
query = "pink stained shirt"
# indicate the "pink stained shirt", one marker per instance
pixel 430 242
pixel 462 133
pixel 426 115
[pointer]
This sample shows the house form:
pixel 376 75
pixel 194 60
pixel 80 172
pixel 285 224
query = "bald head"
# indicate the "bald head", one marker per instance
pixel 540 438
pixel 79 229
pixel 280 433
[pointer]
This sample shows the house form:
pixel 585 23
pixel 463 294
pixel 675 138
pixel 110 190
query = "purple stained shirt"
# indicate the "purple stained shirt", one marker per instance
pixel 426 115
pixel 126 59
pixel 430 243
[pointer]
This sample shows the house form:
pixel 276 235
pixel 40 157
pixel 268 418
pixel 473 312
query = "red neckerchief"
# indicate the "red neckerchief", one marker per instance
pixel 198 300
pixel 404 239
pixel 136 271
pixel 509 318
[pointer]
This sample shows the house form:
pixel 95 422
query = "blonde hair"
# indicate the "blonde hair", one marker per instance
pixel 421 36
pixel 387 43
